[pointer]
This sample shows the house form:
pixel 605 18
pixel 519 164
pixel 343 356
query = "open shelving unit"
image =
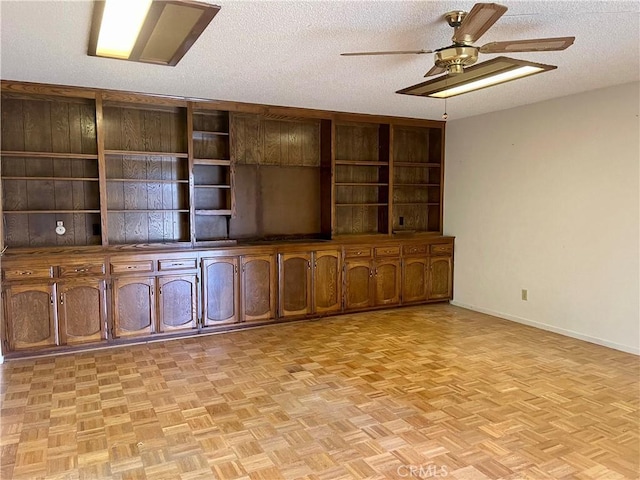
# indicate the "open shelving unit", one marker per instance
pixel 417 179
pixel 361 178
pixel 49 169
pixel 147 174
pixel 213 174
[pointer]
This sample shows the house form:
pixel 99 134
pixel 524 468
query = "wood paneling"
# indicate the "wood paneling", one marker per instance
pixel 387 282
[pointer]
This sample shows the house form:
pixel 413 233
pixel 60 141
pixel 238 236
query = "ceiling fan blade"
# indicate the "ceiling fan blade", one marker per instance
pixel 533 45
pixel 394 52
pixel 478 21
pixel 435 70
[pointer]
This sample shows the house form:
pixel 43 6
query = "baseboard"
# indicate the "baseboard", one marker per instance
pixel 550 328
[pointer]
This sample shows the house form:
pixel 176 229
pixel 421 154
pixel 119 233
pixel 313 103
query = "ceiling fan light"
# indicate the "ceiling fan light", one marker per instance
pixel 483 75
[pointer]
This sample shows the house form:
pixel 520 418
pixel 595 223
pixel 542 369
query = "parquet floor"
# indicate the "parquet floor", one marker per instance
pixel 421 392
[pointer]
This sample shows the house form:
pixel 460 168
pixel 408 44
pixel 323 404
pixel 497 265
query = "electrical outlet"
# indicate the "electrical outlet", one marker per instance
pixel 401 222
pixel 525 294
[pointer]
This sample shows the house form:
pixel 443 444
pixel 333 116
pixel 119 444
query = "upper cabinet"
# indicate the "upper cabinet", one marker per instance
pixel 84 167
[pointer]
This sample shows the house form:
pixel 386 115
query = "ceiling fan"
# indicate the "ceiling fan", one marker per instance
pixel 468 28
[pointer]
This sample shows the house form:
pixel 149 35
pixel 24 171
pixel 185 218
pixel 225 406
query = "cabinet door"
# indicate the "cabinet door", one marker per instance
pixel 177 302
pixel 440 278
pixel 327 282
pixel 134 311
pixel 414 280
pixel 31 316
pixel 258 288
pixel 295 284
pixel 358 281
pixel 221 298
pixel 387 282
pixel 81 310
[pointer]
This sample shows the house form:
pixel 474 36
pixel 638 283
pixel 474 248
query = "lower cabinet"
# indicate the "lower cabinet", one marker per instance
pixel 440 278
pixel 138 310
pixel 221 297
pixel 309 283
pixel 239 289
pixel 63 313
pixel 415 280
pixel 258 287
pixel 372 283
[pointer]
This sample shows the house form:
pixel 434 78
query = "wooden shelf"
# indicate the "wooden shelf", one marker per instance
pixel 212 161
pixel 144 180
pixel 213 212
pixel 206 132
pixel 82 156
pixel 212 186
pixel 419 185
pixel 362 163
pixel 361 184
pixel 149 210
pixel 416 203
pixel 133 153
pixel 55 179
pixel 416 164
pixel 23 212
pixel 361 204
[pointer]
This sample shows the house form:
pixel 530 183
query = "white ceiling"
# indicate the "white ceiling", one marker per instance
pixel 287 53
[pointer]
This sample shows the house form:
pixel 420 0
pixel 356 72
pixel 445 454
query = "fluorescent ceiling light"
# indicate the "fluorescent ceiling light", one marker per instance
pixel 159 31
pixel 486 74
pixel 121 24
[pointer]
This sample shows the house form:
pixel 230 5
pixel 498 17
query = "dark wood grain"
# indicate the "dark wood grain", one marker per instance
pixel 414 279
pixel 387 282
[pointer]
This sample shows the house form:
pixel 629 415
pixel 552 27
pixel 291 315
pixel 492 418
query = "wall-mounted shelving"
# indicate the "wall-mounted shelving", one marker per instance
pixel 147 174
pixel 213 174
pixel 361 184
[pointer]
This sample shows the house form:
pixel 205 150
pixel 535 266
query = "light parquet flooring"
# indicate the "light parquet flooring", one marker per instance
pixel 421 392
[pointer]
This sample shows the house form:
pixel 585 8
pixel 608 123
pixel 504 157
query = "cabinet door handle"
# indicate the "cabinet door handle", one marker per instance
pixel 80 270
pixel 62 299
pixel 51 299
pixel 235 269
pixel 309 264
pixel 160 290
pixel 26 272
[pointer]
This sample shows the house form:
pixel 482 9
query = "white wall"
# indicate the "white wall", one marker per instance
pixel 546 198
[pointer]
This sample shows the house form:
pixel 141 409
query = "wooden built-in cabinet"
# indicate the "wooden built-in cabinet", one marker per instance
pixel 239 288
pixel 129 216
pixel 372 277
pixel 55 305
pixel 310 283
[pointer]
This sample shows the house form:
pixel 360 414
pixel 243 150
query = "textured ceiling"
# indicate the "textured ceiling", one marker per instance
pixel 287 53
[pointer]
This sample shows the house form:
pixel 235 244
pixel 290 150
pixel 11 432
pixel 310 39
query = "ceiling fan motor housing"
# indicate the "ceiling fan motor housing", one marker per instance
pixel 456 57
